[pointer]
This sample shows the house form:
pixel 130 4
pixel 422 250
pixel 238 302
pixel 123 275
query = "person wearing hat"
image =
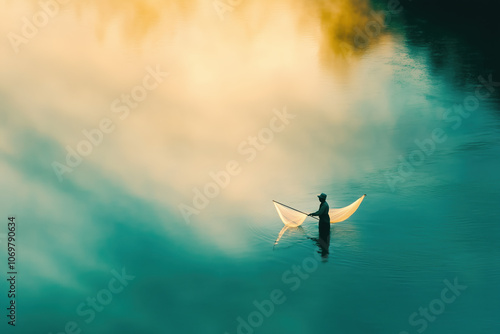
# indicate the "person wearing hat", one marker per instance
pixel 324 221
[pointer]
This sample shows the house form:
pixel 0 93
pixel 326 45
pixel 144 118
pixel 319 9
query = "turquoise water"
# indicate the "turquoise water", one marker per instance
pixel 165 222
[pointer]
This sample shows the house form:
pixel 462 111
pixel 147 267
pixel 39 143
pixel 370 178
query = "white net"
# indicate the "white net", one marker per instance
pixel 294 218
pixel 290 217
pixel 339 215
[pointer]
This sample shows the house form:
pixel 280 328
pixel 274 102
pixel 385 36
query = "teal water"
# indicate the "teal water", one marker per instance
pixel 403 116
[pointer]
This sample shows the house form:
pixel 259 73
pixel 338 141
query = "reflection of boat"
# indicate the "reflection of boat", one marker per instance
pixel 293 218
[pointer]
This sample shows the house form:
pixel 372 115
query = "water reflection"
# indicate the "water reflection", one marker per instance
pixel 455 36
pixel 352 121
pixel 335 24
pixel 290 234
pixel 323 242
pixel 290 237
pixel 226 79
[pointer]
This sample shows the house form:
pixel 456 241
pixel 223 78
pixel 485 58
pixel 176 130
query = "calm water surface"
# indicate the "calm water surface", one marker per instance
pixel 389 112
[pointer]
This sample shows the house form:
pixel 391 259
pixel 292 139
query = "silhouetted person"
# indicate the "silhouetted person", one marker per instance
pixel 324 224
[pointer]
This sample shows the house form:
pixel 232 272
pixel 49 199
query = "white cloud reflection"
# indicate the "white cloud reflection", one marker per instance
pixel 226 78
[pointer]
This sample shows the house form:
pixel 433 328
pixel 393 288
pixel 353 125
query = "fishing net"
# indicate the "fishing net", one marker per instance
pixel 339 215
pixel 294 218
pixel 290 217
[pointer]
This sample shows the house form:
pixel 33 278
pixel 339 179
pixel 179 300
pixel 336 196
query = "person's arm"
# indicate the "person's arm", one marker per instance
pixel 321 210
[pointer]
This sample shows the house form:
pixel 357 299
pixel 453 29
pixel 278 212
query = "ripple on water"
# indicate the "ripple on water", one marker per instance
pixel 263 237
